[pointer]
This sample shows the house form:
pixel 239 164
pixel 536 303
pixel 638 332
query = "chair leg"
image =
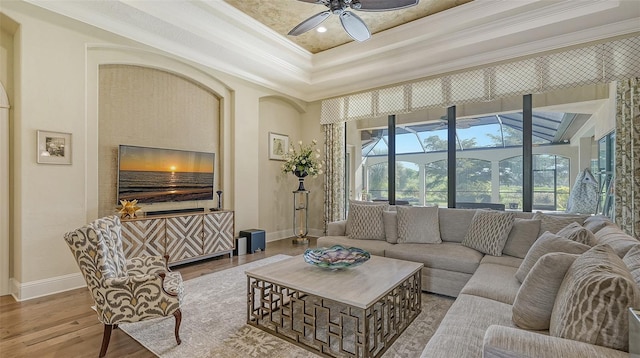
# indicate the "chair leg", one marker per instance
pixel 178 315
pixel 106 336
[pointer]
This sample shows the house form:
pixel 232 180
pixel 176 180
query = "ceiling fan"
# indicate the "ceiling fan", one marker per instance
pixel 352 23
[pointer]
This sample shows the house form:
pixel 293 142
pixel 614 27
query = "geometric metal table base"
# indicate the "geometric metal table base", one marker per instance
pixel 331 328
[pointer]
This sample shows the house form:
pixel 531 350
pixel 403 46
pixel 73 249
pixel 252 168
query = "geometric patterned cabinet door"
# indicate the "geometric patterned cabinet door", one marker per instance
pixel 144 237
pixel 218 232
pixel 184 237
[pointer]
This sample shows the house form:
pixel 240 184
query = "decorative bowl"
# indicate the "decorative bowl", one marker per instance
pixel 336 257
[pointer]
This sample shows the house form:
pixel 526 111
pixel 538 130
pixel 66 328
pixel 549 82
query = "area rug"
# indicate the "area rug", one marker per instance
pixel 214 323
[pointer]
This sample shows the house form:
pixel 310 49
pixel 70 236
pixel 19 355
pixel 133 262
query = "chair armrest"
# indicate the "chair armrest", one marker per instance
pixel 149 287
pixel 502 342
pixel 337 228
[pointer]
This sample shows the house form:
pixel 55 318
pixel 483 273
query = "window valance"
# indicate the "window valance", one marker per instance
pixel 600 63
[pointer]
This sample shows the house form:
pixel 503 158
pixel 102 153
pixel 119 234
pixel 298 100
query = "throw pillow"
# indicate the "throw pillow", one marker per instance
pixel 593 299
pixel 554 223
pixel 418 224
pixel 522 235
pixel 534 301
pixel 632 260
pixel 596 222
pixel 489 231
pixel 577 233
pixel 547 243
pixel 365 222
pixel 619 241
pixel 391 226
pixel 359 202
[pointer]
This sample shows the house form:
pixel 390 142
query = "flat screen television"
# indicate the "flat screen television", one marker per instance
pixel 156 175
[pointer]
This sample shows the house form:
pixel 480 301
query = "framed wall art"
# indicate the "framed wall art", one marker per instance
pixel 54 147
pixel 278 145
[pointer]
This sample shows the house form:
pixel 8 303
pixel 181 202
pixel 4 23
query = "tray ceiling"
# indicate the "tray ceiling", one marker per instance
pixel 282 15
pixel 431 39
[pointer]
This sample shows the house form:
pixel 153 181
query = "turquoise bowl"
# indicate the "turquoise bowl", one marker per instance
pixel 336 257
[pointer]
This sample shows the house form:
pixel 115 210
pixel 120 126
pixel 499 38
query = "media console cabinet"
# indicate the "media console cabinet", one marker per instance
pixel 184 237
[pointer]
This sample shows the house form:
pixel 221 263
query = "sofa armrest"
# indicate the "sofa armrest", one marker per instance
pixel 501 342
pixel 337 228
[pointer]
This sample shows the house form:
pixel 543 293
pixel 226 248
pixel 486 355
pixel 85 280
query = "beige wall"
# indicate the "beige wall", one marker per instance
pixel 283 116
pixel 275 187
pixel 56 88
pixel 152 108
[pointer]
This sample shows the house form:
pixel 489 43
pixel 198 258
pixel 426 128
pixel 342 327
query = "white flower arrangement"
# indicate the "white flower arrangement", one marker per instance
pixel 305 159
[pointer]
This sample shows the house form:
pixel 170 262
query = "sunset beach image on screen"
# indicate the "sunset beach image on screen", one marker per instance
pixel 154 175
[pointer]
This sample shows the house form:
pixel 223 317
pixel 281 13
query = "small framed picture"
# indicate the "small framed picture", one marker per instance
pixel 54 147
pixel 278 146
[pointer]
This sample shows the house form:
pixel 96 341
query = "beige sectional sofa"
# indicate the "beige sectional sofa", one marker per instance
pixel 481 321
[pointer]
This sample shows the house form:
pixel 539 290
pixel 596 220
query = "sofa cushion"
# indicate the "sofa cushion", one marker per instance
pixel 488 231
pixel 374 247
pixel 446 256
pixel 578 233
pixel 522 235
pixel 454 223
pixel 496 282
pixel 390 226
pixel 534 302
pixel 613 236
pixel 555 223
pixel 547 243
pixel 461 332
pixel 597 222
pixel 503 260
pixel 501 342
pixel 632 260
pixel 365 221
pixel 593 299
pixel 418 224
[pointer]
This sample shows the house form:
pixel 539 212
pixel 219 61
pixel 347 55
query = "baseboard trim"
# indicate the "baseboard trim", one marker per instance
pixel 39 288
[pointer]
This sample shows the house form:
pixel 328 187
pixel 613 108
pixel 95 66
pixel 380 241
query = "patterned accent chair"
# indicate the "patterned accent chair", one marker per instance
pixel 124 291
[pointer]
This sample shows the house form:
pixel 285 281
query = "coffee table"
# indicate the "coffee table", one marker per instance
pixel 353 312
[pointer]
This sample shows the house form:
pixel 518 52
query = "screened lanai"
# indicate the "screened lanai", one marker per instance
pixel 489 160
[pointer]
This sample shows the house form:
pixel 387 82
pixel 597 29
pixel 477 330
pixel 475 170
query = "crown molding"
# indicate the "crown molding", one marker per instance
pixel 218 36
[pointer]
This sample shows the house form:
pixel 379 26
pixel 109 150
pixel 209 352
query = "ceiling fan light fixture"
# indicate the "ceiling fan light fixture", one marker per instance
pixel 352 23
pixel 321 29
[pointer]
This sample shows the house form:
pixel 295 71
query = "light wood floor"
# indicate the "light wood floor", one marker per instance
pixel 64 325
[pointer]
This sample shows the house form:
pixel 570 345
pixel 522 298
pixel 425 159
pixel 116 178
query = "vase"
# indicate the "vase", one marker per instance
pixel 301 174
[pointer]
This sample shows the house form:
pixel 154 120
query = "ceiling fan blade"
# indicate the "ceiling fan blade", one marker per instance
pixel 385 5
pixel 354 26
pixel 310 23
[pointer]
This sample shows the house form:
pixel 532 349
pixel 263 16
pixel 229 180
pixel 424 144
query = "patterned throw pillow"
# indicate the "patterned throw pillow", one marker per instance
pixel 577 233
pixel 365 222
pixel 418 224
pixel 534 302
pixel 489 231
pixel 555 223
pixel 593 299
pixel 632 260
pixel 360 202
pixel 545 244
pixel 522 235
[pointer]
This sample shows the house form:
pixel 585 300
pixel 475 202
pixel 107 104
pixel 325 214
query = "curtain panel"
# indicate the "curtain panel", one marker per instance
pixel 334 149
pixel 627 156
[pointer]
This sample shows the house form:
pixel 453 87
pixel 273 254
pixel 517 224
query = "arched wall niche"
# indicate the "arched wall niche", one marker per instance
pixel 103 137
